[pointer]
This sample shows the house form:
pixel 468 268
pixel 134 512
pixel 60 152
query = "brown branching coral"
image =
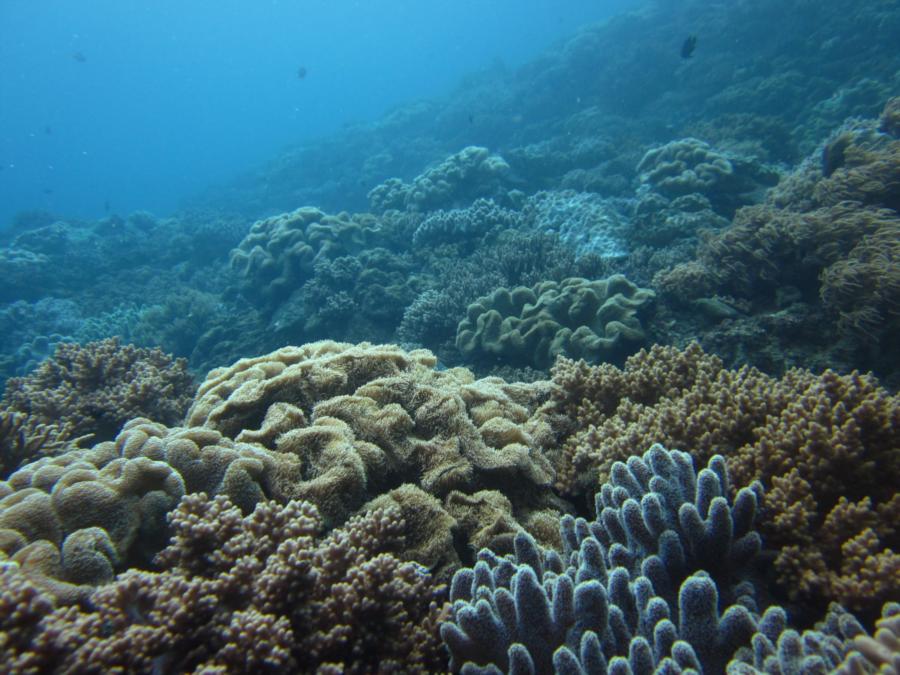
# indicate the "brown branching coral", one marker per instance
pixel 97 387
pixel 826 233
pixel 24 439
pixel 245 594
pixel 826 447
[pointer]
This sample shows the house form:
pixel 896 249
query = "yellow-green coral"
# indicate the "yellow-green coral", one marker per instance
pixel 594 320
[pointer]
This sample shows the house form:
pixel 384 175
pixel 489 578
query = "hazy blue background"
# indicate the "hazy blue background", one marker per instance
pixel 176 94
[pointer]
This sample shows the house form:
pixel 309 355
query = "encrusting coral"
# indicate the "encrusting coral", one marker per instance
pixel 594 320
pixel 261 593
pixel 654 584
pixel 826 447
pixel 95 388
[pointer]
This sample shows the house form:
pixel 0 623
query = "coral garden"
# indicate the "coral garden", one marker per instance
pixel 601 380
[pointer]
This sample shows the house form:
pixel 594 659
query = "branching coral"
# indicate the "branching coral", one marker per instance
pixel 258 593
pixel 97 387
pixel 631 591
pixel 825 446
pixel 23 439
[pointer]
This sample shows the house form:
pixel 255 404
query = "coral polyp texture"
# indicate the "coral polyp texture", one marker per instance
pixel 363 420
pixel 654 584
pixel 824 446
pixel 579 318
pixel 95 388
pixel 265 592
pixel 586 367
pixel 457 181
pixel 279 253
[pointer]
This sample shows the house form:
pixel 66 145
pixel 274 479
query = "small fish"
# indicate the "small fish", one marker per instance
pixel 471 119
pixel 688 46
pixel 79 56
pixel 48 191
pixel 301 72
pixel 48 130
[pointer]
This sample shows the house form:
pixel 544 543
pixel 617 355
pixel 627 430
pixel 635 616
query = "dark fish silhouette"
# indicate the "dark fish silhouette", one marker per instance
pixel 80 57
pixel 48 130
pixel 471 119
pixel 301 72
pixel 688 47
pixel 48 191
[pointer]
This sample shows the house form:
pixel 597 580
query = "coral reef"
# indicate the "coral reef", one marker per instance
pixel 363 420
pixel 824 446
pixel 279 253
pixel 690 166
pixel 350 298
pixel 585 222
pixel 24 439
pixel 259 593
pixel 464 225
pixel 631 590
pixel 120 491
pixel 596 320
pixel 457 181
pixel 826 235
pixel 95 388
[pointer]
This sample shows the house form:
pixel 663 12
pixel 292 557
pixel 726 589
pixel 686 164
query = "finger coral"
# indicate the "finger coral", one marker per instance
pixel 630 592
pixel 97 387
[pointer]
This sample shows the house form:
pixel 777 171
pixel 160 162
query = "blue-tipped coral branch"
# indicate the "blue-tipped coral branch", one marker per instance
pixel 654 584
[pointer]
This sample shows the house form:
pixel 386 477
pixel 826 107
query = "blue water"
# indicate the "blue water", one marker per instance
pixel 123 105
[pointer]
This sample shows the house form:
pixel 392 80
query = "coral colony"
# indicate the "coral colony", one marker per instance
pixel 602 384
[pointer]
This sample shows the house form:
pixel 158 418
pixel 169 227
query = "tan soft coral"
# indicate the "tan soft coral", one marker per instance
pixel 97 387
pixel 278 254
pixel 257 593
pixel 364 420
pixel 73 519
pixel 826 447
